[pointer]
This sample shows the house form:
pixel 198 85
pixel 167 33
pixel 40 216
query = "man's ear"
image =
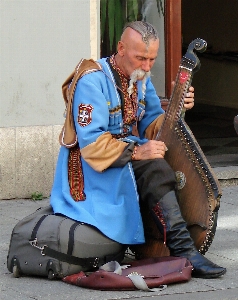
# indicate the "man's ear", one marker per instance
pixel 120 48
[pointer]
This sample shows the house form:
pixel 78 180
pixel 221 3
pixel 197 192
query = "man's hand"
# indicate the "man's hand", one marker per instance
pixel 150 150
pixel 189 98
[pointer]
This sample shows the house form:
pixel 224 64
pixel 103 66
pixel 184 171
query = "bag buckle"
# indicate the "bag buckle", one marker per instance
pixel 34 244
pixel 96 261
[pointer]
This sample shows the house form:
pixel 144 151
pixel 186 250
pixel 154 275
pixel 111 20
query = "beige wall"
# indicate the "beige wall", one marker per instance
pixel 27 160
pixel 41 43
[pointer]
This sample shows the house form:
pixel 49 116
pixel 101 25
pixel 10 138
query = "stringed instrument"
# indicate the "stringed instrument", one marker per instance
pixel 198 188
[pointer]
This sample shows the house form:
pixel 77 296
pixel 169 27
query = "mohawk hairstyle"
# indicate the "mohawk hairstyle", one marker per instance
pixel 147 31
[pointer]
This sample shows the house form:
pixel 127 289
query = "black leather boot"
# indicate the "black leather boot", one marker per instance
pixel 178 238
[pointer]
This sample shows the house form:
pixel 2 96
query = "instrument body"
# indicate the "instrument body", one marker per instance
pixel 198 188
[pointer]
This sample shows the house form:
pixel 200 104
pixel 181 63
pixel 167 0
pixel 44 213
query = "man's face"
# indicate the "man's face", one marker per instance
pixel 135 54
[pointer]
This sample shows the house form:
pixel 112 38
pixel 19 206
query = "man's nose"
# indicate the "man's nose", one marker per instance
pixel 146 66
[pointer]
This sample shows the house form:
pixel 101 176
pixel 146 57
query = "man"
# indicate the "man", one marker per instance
pixel 120 169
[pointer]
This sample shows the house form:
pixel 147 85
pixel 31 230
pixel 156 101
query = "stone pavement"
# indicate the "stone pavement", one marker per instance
pixel 223 251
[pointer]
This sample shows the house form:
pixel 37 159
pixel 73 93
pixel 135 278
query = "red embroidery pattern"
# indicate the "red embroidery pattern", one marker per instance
pixel 159 214
pixel 75 174
pixel 130 102
pixel 85 114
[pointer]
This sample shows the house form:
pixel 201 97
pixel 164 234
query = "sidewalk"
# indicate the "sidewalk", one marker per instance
pixel 223 251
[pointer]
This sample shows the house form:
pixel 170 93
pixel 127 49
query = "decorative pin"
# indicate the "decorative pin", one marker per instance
pixel 181 179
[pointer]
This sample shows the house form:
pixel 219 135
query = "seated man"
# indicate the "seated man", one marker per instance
pixel 120 169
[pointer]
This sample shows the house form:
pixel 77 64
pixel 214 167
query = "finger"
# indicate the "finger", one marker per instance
pixel 188 100
pixel 164 147
pixel 188 105
pixel 189 95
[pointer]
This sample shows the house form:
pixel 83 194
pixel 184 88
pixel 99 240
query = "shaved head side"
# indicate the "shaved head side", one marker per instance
pixel 146 30
pixel 130 38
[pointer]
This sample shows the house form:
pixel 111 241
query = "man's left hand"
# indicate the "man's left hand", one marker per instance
pixel 189 98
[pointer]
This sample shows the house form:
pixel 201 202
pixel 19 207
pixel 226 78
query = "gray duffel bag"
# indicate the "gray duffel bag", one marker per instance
pixel 45 244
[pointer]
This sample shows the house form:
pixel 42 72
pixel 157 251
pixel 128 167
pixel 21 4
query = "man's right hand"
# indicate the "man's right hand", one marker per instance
pixel 151 150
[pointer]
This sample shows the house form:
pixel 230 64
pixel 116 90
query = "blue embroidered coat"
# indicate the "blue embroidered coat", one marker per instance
pixel 111 203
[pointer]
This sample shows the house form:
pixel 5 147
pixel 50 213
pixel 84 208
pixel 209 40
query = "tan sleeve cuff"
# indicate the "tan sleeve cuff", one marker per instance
pixel 154 127
pixel 103 152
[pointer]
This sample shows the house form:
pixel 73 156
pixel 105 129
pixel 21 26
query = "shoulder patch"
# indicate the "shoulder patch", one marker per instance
pixel 85 114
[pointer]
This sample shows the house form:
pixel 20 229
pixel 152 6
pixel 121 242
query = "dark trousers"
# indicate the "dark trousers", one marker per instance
pixel 154 178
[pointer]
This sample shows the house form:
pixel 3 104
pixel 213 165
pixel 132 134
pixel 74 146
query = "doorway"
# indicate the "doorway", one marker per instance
pixel 216 83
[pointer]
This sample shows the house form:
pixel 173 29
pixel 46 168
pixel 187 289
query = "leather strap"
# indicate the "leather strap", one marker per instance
pixel 89 262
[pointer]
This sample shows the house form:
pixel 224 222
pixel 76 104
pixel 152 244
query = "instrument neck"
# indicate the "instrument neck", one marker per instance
pixel 176 102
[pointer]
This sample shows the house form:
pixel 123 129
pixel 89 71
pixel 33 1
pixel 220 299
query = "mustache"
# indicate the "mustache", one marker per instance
pixel 135 75
pixel 139 73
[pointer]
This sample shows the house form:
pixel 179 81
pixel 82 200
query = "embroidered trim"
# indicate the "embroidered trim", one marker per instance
pixel 133 155
pixel 75 175
pixel 159 214
pixel 120 135
pixel 130 102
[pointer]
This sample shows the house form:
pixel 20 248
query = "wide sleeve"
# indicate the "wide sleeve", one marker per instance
pixel 91 116
pixel 154 127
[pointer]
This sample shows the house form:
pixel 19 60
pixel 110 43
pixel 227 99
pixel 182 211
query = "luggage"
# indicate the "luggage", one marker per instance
pixel 45 244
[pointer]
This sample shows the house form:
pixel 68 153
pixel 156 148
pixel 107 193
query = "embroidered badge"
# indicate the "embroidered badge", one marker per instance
pixel 85 114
